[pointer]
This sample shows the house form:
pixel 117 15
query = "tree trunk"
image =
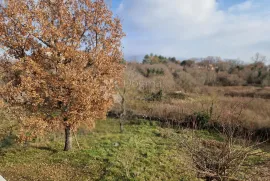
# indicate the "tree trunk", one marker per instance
pixel 124 112
pixel 68 139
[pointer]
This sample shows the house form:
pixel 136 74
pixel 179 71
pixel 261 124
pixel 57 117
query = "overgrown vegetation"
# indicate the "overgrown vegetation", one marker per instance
pixel 218 72
pixel 173 120
pixel 169 123
pixel 233 121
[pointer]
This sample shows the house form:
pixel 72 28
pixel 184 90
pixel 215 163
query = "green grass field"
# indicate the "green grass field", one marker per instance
pixel 144 151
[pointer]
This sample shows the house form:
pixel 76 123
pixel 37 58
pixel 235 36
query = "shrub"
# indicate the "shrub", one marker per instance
pixel 198 120
pixel 266 81
pixel 153 71
pixel 225 79
pixel 223 160
pixel 214 160
pixel 185 81
pixel 188 63
pixel 155 96
pixel 202 119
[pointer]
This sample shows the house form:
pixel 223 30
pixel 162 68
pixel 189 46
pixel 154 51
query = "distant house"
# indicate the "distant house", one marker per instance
pixel 208 67
pixel 211 67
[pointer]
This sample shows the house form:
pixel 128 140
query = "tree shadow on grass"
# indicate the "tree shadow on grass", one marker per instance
pixel 265 147
pixel 46 148
pixel 8 141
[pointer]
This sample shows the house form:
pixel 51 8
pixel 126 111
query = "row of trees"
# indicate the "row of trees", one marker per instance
pixel 155 59
pixel 222 72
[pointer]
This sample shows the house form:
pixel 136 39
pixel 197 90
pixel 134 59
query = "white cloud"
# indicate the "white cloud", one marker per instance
pixel 247 5
pixel 120 8
pixel 195 28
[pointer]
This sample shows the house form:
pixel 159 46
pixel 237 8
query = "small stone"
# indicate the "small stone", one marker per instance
pixel 2 179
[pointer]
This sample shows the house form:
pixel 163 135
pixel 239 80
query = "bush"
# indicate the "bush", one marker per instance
pixel 155 96
pixel 8 140
pixel 214 160
pixel 186 81
pixel 198 120
pixel 188 63
pixel 153 71
pixel 226 159
pixel 202 119
pixel 225 79
pixel 266 81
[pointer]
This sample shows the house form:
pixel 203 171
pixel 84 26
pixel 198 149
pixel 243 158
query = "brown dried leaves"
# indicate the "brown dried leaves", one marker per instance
pixel 69 55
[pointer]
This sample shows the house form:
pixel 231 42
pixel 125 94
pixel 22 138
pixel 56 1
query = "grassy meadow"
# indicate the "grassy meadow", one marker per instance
pixel 145 151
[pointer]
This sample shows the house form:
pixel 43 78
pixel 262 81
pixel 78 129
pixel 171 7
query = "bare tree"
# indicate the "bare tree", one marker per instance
pixel 259 58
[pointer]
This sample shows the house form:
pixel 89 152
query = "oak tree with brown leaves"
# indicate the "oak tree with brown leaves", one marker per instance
pixel 66 60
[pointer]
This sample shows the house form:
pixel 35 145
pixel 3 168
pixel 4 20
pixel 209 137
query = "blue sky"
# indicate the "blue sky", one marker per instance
pixel 195 28
pixel 224 4
pixel 227 3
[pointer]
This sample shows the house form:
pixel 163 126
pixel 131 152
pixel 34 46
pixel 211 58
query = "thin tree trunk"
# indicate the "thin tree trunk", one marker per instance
pixel 121 125
pixel 76 140
pixel 124 111
pixel 68 139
